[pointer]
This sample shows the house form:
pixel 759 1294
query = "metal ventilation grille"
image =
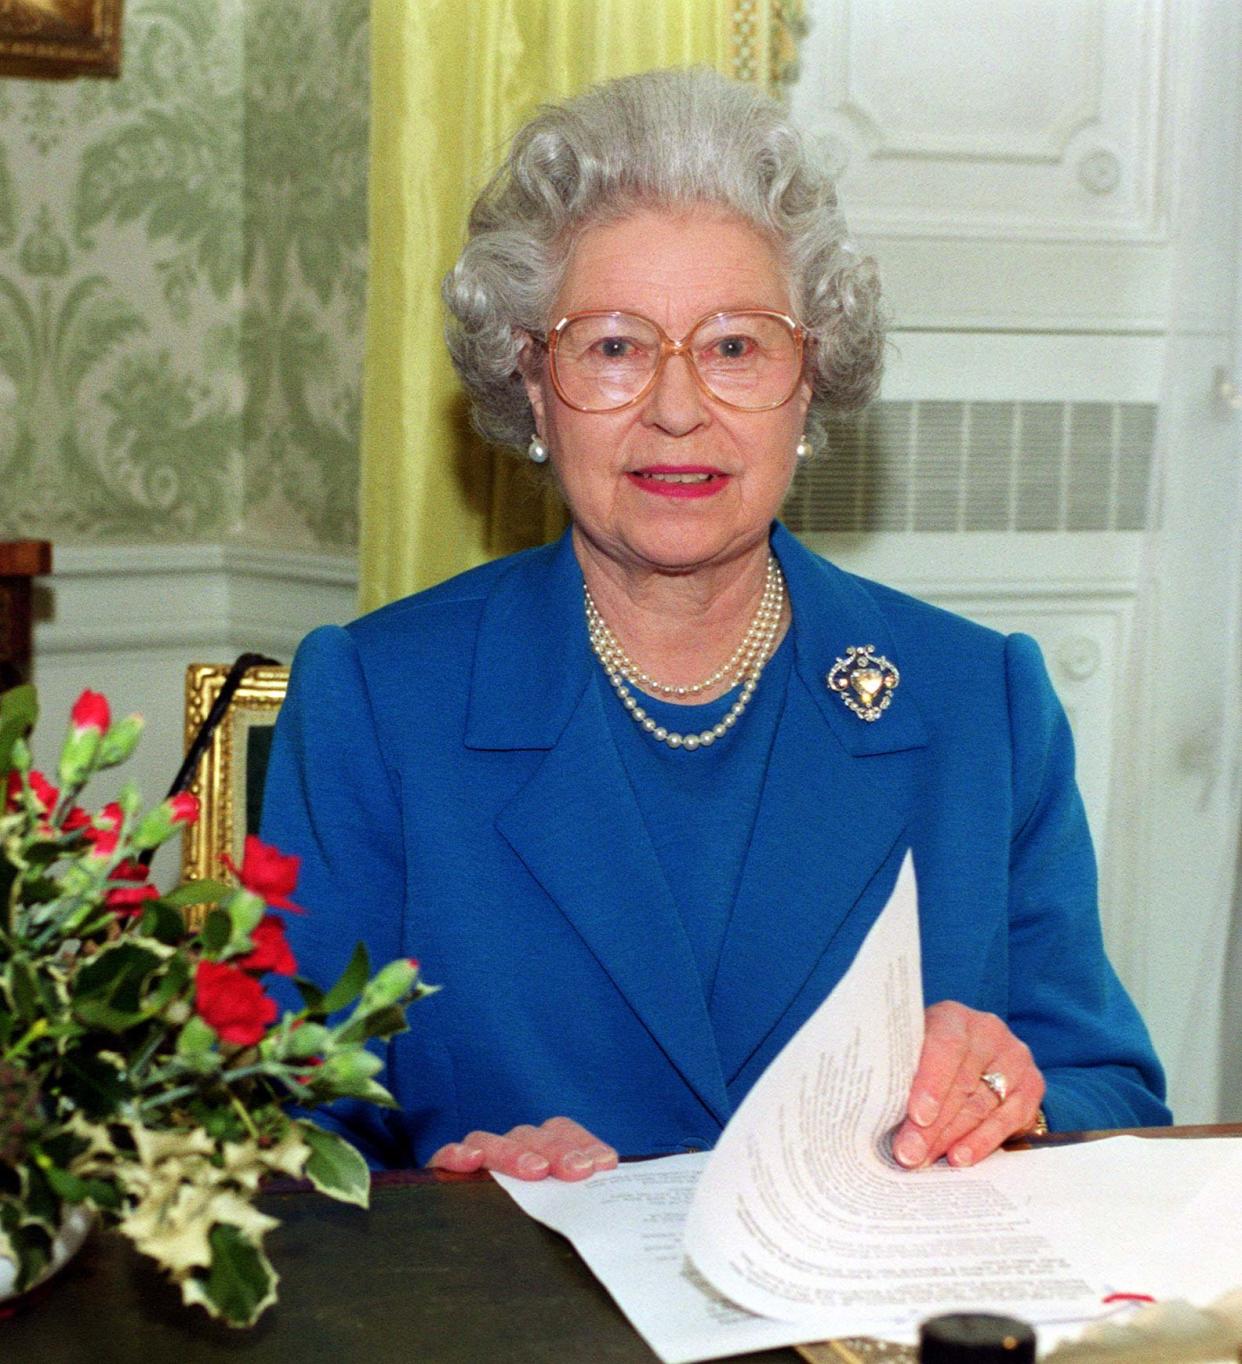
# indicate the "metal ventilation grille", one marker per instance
pixel 960 466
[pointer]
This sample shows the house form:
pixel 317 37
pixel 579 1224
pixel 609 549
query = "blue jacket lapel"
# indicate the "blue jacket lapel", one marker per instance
pixel 837 800
pixel 575 824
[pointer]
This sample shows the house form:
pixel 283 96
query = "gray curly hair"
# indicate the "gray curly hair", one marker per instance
pixel 660 138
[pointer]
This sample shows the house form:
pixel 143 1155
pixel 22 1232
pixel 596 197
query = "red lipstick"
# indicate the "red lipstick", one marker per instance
pixel 679 480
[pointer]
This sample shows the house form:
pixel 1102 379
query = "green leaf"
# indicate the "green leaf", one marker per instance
pixel 241 1281
pixel 197 1037
pixel 350 984
pixel 205 892
pixel 335 1168
pixel 216 932
pixel 19 708
pixel 19 986
pixel 163 922
pixel 116 975
pixel 312 995
pixel 95 1013
pixel 94 1085
pixel 175 978
pixel 67 1186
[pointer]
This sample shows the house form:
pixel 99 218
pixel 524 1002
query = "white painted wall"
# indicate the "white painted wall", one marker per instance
pixel 128 620
pixel 1013 165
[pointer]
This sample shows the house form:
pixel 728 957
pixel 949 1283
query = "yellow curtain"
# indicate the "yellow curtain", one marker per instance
pixel 451 82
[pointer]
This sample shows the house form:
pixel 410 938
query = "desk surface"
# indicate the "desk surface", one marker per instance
pixel 440 1268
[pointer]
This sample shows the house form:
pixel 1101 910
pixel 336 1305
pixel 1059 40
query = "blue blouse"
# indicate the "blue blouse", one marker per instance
pixel 699 807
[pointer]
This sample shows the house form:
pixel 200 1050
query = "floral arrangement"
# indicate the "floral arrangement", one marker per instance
pixel 146 1073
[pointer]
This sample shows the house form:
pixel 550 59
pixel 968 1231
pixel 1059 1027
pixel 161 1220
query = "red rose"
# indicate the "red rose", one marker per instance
pixel 232 1002
pixel 90 711
pixel 267 872
pixel 271 951
pixel 183 807
pixel 128 900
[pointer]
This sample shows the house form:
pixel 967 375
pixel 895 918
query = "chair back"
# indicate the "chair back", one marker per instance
pixel 229 777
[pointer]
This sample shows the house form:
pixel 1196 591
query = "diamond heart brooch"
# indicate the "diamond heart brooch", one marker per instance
pixel 864 680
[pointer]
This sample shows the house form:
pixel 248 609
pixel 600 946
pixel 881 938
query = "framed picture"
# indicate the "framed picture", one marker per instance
pixel 60 38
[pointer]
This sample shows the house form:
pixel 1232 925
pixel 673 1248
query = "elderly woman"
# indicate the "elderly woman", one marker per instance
pixel 635 798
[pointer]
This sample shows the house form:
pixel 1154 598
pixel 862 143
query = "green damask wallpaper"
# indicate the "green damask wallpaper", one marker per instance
pixel 182 276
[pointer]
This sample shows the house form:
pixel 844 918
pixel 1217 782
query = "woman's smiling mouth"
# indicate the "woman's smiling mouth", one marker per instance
pixel 679 480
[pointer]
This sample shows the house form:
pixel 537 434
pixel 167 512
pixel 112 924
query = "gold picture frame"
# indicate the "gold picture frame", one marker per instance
pixel 222 781
pixel 56 38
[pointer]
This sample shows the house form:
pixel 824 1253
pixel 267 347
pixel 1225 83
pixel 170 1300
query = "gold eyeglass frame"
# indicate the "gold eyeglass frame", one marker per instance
pixel 670 347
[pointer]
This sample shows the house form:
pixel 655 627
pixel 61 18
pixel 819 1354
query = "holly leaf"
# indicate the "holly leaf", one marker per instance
pixel 115 976
pixel 163 921
pixel 335 1168
pixel 241 1281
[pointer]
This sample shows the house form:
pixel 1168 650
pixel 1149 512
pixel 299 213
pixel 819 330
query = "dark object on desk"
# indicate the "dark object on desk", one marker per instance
pixel 976 1338
pixel 20 562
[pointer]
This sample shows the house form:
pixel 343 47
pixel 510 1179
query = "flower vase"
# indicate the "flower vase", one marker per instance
pixel 74 1229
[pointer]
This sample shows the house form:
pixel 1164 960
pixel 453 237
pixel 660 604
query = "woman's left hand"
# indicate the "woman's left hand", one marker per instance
pixel 951 1111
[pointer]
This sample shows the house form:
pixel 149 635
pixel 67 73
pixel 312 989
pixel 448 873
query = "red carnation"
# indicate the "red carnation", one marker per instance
pixel 183 807
pixel 129 900
pixel 44 792
pixel 267 872
pixel 76 819
pixel 271 951
pixel 232 1002
pixel 129 870
pixel 103 836
pixel 90 711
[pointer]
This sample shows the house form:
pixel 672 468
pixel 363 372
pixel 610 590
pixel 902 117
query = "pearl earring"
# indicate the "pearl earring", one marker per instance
pixel 803 447
pixel 537 450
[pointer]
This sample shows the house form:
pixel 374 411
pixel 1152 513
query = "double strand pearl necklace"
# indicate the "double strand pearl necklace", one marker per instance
pixel 745 666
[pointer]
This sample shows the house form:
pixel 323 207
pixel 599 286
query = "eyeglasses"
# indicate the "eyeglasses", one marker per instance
pixel 603 361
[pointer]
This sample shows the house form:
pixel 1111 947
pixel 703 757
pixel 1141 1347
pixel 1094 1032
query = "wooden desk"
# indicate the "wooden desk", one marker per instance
pixel 441 1268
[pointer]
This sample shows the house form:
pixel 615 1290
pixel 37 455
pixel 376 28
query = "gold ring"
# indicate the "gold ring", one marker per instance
pixel 997 1083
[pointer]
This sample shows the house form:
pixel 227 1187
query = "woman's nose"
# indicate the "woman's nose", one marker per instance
pixel 676 402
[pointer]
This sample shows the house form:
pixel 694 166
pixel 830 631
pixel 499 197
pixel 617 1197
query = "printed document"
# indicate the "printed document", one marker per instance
pixel 800 1225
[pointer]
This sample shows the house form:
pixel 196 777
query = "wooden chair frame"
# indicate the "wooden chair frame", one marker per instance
pixel 220 782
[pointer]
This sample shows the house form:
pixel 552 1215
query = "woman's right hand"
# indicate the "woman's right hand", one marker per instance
pixel 559 1147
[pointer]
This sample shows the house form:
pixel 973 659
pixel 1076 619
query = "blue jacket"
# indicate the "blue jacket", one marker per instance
pixel 445 769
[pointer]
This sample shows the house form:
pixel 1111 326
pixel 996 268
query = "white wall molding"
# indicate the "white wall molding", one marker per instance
pixel 951 119
pixel 118 598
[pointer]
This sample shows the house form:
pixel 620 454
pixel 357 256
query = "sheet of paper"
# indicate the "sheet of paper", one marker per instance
pixel 807 1229
pixel 803 1214
pixel 627 1225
